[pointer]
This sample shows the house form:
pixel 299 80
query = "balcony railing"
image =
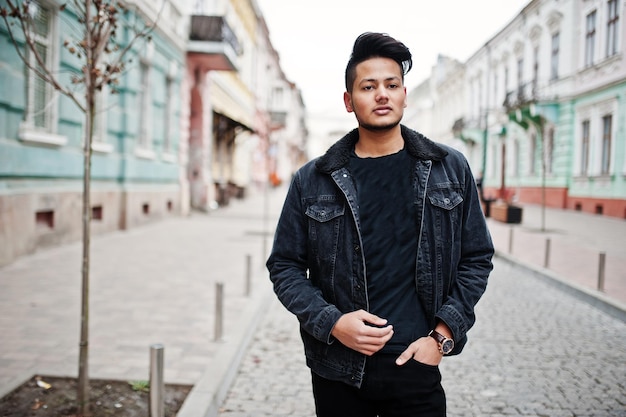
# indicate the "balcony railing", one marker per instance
pixel 212 36
pixel 522 96
pixel 278 119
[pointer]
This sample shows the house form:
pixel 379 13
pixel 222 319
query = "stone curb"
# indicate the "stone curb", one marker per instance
pixel 209 393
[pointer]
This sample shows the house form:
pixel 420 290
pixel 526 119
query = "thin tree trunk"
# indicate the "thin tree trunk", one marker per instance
pixel 83 360
pixel 99 20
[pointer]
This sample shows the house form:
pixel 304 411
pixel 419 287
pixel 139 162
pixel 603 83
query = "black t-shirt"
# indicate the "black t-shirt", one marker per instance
pixel 389 232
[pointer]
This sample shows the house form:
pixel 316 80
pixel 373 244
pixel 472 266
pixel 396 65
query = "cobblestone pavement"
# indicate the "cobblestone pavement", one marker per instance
pixel 535 351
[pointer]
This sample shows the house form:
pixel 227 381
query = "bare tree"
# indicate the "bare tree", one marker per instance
pixel 102 59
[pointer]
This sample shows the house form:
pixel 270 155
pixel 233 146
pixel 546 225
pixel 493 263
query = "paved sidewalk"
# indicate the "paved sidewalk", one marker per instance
pixel 576 241
pixel 157 284
pixel 151 284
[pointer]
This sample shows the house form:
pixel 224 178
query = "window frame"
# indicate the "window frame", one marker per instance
pixel 612 28
pixel 585 146
pixel 554 55
pixel 606 144
pixel 590 37
pixel 29 131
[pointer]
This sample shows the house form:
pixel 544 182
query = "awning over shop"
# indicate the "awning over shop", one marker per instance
pixel 232 105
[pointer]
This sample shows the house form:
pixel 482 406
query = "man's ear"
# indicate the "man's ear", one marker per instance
pixel 347 101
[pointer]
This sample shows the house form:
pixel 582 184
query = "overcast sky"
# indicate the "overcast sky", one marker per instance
pixel 314 38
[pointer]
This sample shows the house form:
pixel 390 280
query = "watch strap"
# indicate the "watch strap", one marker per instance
pixel 437 336
pixel 445 344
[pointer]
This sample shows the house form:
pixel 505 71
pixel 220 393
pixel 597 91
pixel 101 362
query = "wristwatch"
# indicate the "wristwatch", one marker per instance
pixel 445 344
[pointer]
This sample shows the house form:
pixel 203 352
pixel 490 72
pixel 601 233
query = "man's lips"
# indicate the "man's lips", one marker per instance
pixel 382 110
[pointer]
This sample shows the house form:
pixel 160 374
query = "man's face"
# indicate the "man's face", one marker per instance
pixel 378 96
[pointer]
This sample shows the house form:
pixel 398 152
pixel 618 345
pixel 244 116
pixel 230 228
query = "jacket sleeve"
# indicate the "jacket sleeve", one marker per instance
pixel 288 269
pixel 473 269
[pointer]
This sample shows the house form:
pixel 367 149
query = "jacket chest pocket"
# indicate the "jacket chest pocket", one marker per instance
pixel 446 199
pixel 445 206
pixel 325 220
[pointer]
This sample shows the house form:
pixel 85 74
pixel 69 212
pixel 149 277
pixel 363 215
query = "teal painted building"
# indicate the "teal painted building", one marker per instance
pixel 553 82
pixel 137 173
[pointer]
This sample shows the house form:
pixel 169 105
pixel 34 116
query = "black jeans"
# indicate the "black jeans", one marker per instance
pixel 388 390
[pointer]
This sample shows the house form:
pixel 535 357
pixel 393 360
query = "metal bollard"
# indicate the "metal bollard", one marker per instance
pixel 546 258
pixel 511 239
pixel 601 269
pixel 157 388
pixel 219 310
pixel 248 274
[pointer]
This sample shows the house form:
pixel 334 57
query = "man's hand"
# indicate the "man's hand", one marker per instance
pixel 424 350
pixel 362 331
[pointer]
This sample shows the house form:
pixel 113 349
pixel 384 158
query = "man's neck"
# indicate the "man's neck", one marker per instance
pixel 372 144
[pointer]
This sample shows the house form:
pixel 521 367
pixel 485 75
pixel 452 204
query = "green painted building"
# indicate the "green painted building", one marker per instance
pixel 137 175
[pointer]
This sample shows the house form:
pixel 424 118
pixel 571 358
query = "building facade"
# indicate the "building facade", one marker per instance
pixel 545 107
pixel 240 102
pixel 135 168
pixel 191 124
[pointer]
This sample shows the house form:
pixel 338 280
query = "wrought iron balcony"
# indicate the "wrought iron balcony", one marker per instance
pixel 213 42
pixel 523 96
pixel 278 119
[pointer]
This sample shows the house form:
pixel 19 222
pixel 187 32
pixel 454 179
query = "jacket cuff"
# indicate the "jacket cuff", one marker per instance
pixel 454 321
pixel 325 325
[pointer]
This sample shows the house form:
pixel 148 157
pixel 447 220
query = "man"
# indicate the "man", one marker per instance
pixel 381 251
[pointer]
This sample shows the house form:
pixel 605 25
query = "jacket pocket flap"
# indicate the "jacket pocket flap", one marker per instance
pixel 446 199
pixel 324 212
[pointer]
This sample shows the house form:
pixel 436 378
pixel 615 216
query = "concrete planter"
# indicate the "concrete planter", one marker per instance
pixel 506 213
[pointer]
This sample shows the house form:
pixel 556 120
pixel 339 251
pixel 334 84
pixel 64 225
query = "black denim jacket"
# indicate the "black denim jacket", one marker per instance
pixel 318 269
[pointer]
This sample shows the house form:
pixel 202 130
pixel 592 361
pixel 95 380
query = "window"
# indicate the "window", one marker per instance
pixel 44 219
pixel 535 70
pixel 496 80
pixel 516 161
pixel 39 98
pixel 549 151
pixel 169 122
pixel 39 123
pixel 532 153
pixel 520 77
pixel 611 32
pixel 506 79
pixel 96 212
pixel 590 38
pixel 100 128
pixel 145 107
pixel 278 97
pixel 584 148
pixel 494 166
pixel 554 56
pixel 607 123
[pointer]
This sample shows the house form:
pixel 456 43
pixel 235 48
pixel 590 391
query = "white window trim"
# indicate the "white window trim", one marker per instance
pixel 144 153
pixel 101 147
pixel 34 136
pixel 170 116
pixel 144 137
pixel 169 157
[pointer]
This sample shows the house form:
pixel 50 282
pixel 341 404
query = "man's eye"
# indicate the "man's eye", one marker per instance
pixel 368 87
pixel 392 86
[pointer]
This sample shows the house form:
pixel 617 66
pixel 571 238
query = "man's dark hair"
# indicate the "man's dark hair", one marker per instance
pixel 377 45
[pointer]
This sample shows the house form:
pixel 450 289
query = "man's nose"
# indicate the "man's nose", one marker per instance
pixel 381 93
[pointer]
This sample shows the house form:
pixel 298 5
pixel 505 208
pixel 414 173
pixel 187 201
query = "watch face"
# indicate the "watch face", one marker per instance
pixel 447 346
